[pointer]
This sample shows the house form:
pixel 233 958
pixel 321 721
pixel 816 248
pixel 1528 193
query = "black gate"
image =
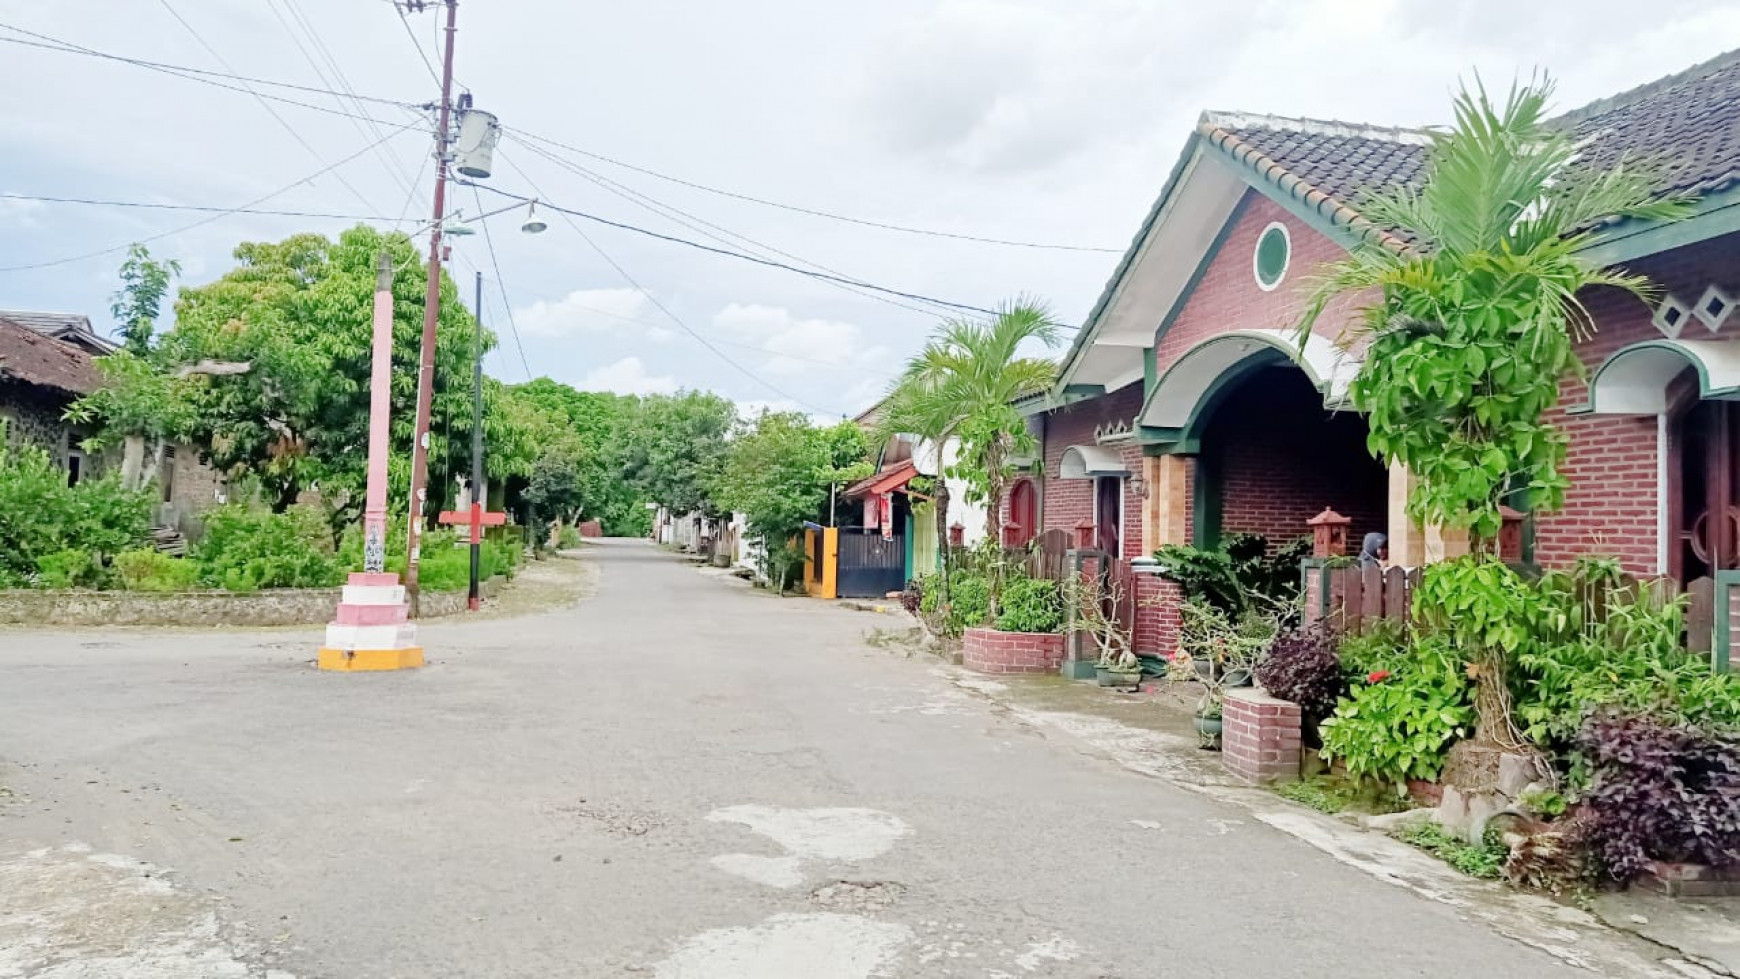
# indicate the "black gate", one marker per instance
pixel 870 567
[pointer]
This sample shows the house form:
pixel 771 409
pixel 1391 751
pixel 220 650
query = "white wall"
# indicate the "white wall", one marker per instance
pixel 969 515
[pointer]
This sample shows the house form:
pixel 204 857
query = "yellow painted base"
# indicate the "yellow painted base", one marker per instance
pixel 370 660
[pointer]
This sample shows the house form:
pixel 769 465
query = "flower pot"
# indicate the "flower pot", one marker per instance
pixel 1118 678
pixel 1204 668
pixel 1236 678
pixel 1208 729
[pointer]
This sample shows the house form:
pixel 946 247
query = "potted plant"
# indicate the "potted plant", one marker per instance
pixel 1220 653
pixel 1095 605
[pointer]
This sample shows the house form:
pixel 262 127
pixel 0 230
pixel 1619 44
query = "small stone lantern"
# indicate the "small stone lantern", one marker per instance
pixel 1510 531
pixel 1328 534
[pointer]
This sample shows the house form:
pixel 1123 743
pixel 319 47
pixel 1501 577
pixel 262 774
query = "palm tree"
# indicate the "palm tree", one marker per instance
pixel 1477 275
pixel 962 386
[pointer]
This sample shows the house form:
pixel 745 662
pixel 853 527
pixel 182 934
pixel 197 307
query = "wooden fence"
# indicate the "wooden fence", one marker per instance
pixel 1353 597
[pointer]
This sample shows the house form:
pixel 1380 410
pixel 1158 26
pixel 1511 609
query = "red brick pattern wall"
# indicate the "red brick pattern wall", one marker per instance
pixel 1067 502
pixel 1157 620
pixel 1281 458
pixel 990 651
pixel 1611 507
pixel 1227 296
pixel 1260 736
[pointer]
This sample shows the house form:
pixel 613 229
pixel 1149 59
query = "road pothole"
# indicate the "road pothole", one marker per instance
pixel 857 895
pixel 616 820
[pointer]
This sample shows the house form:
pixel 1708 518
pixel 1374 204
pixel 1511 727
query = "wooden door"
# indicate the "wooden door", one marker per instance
pixel 1706 499
pixel 1109 515
pixel 1023 512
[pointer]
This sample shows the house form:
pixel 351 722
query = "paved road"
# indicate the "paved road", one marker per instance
pixel 668 779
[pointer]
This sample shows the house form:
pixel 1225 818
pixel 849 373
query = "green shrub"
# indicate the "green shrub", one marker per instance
pixel 246 550
pixel 1400 722
pixel 969 599
pixel 1485 860
pixel 1030 605
pixel 1379 645
pixel 40 514
pixel 569 538
pixel 149 570
pixel 71 568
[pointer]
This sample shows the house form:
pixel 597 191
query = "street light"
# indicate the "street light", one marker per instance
pixel 533 225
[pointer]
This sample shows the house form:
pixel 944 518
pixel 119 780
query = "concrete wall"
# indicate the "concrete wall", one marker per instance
pixel 217 609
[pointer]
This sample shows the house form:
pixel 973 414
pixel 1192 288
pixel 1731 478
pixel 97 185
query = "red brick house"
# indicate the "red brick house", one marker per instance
pixel 1186 408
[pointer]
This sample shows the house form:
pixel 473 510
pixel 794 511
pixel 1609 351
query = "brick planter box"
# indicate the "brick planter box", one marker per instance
pixel 1260 736
pixel 991 651
pixel 1691 880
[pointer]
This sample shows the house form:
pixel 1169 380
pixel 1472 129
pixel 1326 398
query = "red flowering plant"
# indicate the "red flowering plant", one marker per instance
pixel 1377 676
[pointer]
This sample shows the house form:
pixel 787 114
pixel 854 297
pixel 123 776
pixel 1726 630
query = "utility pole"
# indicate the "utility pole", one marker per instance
pixel 431 314
pixel 471 597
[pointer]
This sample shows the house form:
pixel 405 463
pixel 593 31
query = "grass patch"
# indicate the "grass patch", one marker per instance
pixel 1485 861
pixel 1336 793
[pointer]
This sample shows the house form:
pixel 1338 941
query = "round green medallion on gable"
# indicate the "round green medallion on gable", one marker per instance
pixel 1274 251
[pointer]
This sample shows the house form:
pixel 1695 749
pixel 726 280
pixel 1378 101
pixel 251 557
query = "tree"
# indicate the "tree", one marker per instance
pixel 962 385
pixel 1472 329
pixel 675 447
pixel 141 406
pixel 299 312
pixel 144 284
pixel 779 471
pixel 1474 323
pixel 589 430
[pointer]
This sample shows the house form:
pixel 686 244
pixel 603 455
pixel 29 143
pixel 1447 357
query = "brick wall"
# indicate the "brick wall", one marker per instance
pixel 1260 736
pixel 1066 502
pixel 1157 620
pixel 991 651
pixel 1611 507
pixel 1227 296
pixel 1281 458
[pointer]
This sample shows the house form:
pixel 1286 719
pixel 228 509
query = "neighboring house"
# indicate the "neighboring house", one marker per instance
pixel 65 346
pixel 1188 408
pixel 40 377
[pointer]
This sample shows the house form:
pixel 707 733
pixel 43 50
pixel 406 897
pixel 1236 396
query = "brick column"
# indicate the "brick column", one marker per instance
pixel 1165 517
pixel 1410 544
pixel 1260 736
pixel 1157 618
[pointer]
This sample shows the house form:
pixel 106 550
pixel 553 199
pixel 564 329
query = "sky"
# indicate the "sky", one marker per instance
pixel 1047 122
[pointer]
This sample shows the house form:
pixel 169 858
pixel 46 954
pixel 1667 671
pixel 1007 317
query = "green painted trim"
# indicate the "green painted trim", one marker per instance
pixel 1705 391
pixel 1218 392
pixel 1205 506
pixel 1150 369
pixel 1720 661
pixel 1039 404
pixel 1717 214
pixel 909 546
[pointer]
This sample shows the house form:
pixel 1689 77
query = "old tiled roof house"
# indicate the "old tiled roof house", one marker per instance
pixel 1187 409
pixel 40 376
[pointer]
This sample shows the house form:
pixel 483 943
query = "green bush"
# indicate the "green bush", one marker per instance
pixel 1485 860
pixel 1030 605
pixel 41 515
pixel 969 599
pixel 71 568
pixel 569 538
pixel 246 550
pixel 1400 722
pixel 149 570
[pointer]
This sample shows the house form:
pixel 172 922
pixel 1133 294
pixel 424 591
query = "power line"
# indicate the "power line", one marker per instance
pixel 223 213
pixel 295 133
pixel 202 75
pixel 406 20
pixel 813 212
pixel 501 285
pixel 568 211
pixel 672 213
pixel 674 318
pixel 154 206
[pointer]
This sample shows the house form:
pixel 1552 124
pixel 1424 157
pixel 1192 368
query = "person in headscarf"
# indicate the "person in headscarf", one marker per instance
pixel 1374 551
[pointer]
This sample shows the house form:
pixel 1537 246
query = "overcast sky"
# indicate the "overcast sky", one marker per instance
pixel 1051 121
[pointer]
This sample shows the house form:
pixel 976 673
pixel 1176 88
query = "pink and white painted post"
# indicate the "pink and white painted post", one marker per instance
pixel 372 630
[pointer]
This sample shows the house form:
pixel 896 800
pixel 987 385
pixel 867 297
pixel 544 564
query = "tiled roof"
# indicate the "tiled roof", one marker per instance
pixel 27 355
pixel 1685 126
pixel 71 327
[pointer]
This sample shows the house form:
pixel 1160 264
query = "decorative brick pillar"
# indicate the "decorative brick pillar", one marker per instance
pixel 1260 736
pixel 1157 618
pixel 993 651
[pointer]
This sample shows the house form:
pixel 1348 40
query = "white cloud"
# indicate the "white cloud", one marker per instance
pixel 592 311
pixel 798 345
pixel 627 376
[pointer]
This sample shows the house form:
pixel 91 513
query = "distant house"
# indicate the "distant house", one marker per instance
pixel 73 328
pixel 40 376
